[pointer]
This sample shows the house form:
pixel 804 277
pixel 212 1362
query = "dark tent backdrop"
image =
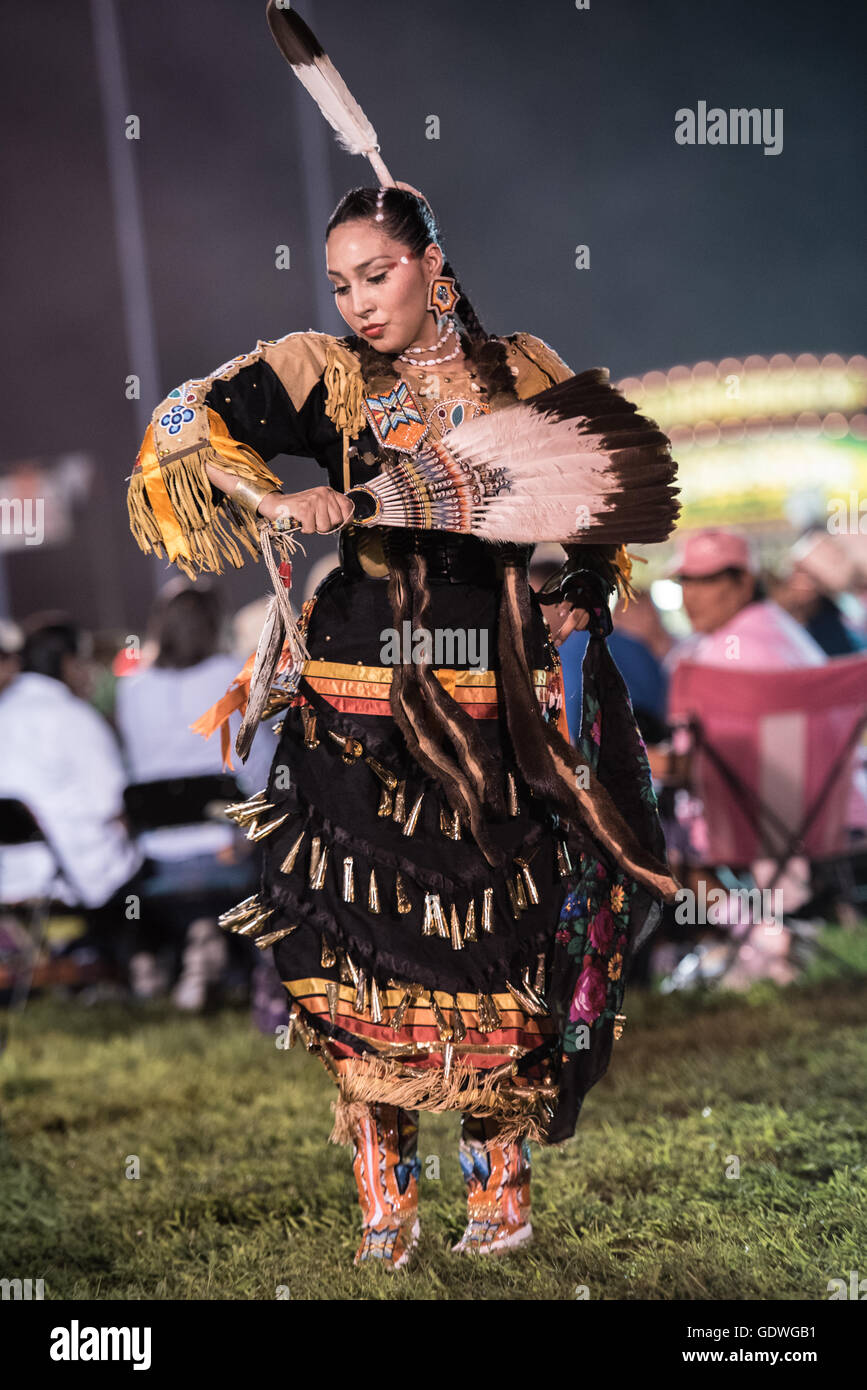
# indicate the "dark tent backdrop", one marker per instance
pixel 556 129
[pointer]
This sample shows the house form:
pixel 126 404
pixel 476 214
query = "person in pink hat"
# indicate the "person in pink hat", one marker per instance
pixel 731 618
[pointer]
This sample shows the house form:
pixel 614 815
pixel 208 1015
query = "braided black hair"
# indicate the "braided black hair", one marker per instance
pixel 429 718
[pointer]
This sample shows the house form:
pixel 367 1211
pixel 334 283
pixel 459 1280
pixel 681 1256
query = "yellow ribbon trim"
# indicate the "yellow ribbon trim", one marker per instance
pixel 391 997
pixel 448 676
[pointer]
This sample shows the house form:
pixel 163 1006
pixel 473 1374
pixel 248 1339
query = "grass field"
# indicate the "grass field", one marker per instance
pixel 240 1193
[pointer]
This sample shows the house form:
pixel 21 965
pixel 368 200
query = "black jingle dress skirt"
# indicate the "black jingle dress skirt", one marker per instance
pixel 414 969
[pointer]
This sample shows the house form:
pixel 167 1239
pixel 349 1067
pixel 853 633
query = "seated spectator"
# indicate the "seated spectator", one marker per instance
pixel 736 625
pixel 731 617
pixel 60 758
pixel 821 572
pixel 155 708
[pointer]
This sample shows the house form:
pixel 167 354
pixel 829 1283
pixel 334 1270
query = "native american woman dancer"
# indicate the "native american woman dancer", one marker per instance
pixel 451 932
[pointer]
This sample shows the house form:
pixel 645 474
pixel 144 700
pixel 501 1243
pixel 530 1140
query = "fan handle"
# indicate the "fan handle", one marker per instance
pixel 367 506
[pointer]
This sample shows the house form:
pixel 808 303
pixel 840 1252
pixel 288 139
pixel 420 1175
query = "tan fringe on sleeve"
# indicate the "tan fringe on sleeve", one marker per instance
pixel 171 504
pixel 344 387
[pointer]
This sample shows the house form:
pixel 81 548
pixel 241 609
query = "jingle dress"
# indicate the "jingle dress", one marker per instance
pixel 422 977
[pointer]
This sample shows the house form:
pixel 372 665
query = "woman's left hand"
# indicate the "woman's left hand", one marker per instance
pixel 565 618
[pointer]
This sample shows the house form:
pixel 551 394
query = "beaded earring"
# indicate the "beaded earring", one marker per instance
pixel 442 295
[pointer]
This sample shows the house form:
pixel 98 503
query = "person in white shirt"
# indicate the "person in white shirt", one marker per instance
pixel 60 758
pixel 154 711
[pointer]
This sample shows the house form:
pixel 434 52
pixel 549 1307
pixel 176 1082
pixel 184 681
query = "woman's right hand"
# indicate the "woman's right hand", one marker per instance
pixel 319 509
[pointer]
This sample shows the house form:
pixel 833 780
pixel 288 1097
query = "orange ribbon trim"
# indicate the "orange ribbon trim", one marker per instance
pixel 364 691
pixel 158 497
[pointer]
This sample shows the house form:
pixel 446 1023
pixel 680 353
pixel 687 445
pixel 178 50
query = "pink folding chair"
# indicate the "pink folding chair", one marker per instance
pixel 774 758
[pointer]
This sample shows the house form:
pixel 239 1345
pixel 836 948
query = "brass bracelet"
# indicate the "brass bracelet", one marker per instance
pixel 249 495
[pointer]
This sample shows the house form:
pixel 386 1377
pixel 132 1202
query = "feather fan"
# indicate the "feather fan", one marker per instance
pixel 573 463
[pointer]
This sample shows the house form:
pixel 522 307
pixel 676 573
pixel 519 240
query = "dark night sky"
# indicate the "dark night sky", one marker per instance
pixel 557 128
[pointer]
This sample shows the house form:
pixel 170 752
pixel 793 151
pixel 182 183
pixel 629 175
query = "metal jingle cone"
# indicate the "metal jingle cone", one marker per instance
pixel 258 832
pixel 248 801
pixel 519 892
pixel 513 899
pixel 439 916
pixel 529 881
pixel 522 998
pixel 488 910
pixel 317 879
pixel 327 956
pixel 240 912
pixel 459 1028
pixel 243 811
pixel 375 1001
pixel 448 1059
pixel 351 748
pixel 360 992
pixel 289 862
pixel 385 803
pixel 512 794
pixel 399 811
pixel 269 939
pixel 428 926
pixel 412 818
pixel 403 899
pixel 255 925
pixel 387 778
pixel 530 990
pixel 348 879
pixel 483 1015
pixel 445 1032
pixel 308 717
pixel 470 933
pixel 564 861
pixel 400 1012
pixel 332 994
pixel 455 929
pixel 373 903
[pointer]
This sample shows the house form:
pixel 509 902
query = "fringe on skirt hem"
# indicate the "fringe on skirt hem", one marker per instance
pixel 520 1115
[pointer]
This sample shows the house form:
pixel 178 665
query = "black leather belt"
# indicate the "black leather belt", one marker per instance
pixel 451 558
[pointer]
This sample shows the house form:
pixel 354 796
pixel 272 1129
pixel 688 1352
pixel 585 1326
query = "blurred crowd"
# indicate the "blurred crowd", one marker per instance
pixel 97 742
pixel 128 860
pixel 759 764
